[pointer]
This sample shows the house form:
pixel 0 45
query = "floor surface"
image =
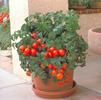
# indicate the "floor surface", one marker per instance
pixel 90 75
pixel 15 88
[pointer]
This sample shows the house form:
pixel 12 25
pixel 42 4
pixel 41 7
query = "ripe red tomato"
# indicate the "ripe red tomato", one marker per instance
pixel 55 53
pixel 59 76
pixel 33 52
pixel 33 35
pixel 27 52
pixel 50 54
pixel 62 52
pixel 54 67
pixel 34 45
pixel 28 73
pixel 61 71
pixel 64 66
pixel 52 49
pixel 50 66
pixel 22 48
pixel 43 46
pixel 54 73
pixel 38 41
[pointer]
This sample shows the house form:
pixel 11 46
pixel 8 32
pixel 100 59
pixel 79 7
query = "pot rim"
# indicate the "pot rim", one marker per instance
pixel 94 30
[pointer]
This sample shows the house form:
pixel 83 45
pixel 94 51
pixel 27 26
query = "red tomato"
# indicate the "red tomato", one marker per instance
pixel 61 71
pixel 62 52
pixel 52 49
pixel 64 66
pixel 54 73
pixel 27 52
pixel 33 35
pixel 34 45
pixel 43 46
pixel 54 67
pixel 55 53
pixel 38 41
pixel 50 54
pixel 50 66
pixel 33 52
pixel 59 76
pixel 22 48
pixel 28 73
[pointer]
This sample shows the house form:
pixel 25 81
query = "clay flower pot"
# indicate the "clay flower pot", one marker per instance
pixel 94 40
pixel 53 89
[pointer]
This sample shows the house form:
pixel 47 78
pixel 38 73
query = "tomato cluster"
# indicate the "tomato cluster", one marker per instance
pixel 53 52
pixel 28 51
pixel 58 73
pixel 32 50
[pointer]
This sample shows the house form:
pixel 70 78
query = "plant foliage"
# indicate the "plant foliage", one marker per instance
pixel 55 29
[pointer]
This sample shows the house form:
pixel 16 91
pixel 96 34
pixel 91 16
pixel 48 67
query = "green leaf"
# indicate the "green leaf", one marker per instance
pixel 25 27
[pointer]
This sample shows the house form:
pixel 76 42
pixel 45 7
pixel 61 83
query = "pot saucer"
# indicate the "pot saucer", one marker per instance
pixel 55 94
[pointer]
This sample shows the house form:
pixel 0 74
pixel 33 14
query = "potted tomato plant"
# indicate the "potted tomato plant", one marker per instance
pixel 49 50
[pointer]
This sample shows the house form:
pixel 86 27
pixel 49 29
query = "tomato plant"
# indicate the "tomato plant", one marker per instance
pixel 50 45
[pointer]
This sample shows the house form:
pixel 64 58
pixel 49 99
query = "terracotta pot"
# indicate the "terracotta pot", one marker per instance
pixel 53 89
pixel 94 40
